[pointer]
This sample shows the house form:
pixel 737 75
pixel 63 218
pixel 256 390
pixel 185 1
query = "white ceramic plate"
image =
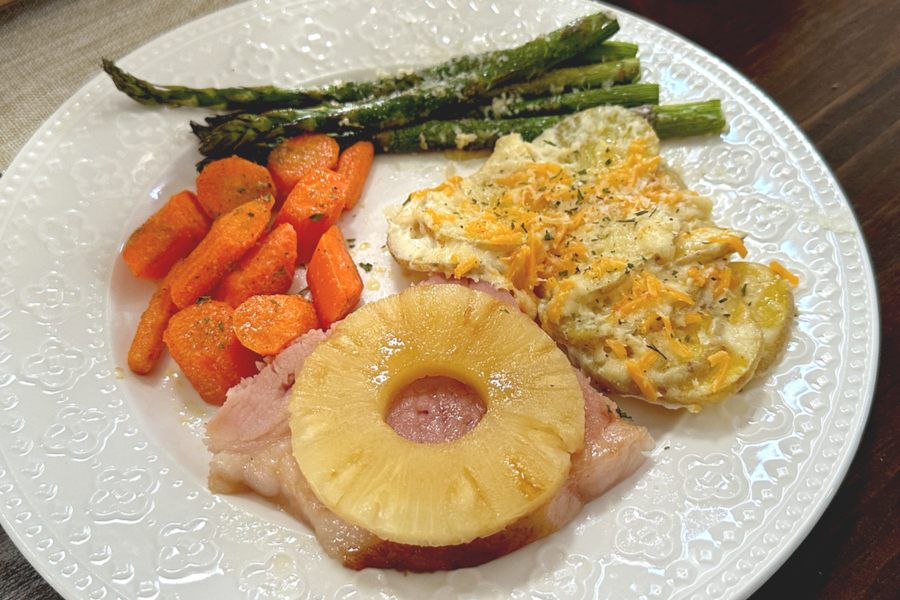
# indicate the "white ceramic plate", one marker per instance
pixel 103 473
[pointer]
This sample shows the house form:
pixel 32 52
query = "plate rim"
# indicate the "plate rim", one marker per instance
pixel 874 328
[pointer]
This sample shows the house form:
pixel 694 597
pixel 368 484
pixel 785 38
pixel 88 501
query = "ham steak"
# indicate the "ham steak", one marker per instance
pixel 250 441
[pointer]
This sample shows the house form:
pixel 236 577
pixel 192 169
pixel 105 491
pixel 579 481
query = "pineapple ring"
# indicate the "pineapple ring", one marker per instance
pixel 513 461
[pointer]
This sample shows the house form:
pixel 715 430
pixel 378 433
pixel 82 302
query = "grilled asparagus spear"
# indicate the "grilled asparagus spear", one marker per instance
pixel 556 81
pixel 603 74
pixel 673 120
pixel 229 137
pixel 522 62
pixel 500 68
pixel 668 120
pixel 635 94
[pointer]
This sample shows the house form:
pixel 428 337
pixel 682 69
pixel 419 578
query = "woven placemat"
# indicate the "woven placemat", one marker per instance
pixel 50 48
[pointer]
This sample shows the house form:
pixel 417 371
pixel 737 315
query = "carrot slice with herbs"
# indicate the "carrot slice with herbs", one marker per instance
pixel 312 207
pixel 354 165
pixel 268 268
pixel 202 341
pixel 293 159
pixel 147 344
pixel 268 323
pixel 229 238
pixel 225 184
pixel 166 237
pixel 333 279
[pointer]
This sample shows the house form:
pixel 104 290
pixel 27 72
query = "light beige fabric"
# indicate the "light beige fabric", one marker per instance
pixel 50 48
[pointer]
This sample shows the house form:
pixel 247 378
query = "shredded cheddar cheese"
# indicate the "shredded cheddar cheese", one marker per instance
pixel 438 218
pixel 692 317
pixel 723 281
pixel 602 243
pixel 465 266
pixel 733 241
pixel 723 360
pixel 788 276
pixel 446 187
pixel 557 304
pixel 674 342
pixel 637 370
pixel 618 348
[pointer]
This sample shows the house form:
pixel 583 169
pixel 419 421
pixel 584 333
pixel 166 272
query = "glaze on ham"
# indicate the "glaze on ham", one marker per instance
pixel 251 445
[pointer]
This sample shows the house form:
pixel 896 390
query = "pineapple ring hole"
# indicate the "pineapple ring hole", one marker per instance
pixel 434 410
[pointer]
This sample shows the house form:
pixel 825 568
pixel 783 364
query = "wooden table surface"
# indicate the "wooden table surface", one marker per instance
pixel 834 67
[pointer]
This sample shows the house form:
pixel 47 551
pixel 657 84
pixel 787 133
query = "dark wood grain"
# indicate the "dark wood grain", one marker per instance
pixel 834 67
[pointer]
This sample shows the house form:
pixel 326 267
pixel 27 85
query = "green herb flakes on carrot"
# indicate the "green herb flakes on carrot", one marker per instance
pixel 268 268
pixel 147 344
pixel 169 235
pixel 202 341
pixel 295 158
pixel 312 207
pixel 229 238
pixel 333 279
pixel 225 184
pixel 268 323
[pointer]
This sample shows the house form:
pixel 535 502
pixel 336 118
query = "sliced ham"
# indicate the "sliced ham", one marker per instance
pixel 256 410
pixel 251 446
pixel 433 410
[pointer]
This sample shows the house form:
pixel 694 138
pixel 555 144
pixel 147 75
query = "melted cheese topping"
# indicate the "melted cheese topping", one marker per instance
pixel 604 244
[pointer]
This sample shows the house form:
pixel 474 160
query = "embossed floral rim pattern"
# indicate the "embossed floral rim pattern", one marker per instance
pixel 102 474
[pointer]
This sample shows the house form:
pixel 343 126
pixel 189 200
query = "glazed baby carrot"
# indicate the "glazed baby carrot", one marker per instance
pixel 312 207
pixel 293 159
pixel 268 323
pixel 201 339
pixel 354 164
pixel 167 236
pixel 268 268
pixel 147 345
pixel 229 238
pixel 225 184
pixel 333 279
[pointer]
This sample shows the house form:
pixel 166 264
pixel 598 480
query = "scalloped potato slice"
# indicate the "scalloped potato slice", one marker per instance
pixel 682 364
pixel 620 262
pixel 706 244
pixel 770 301
pixel 725 353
